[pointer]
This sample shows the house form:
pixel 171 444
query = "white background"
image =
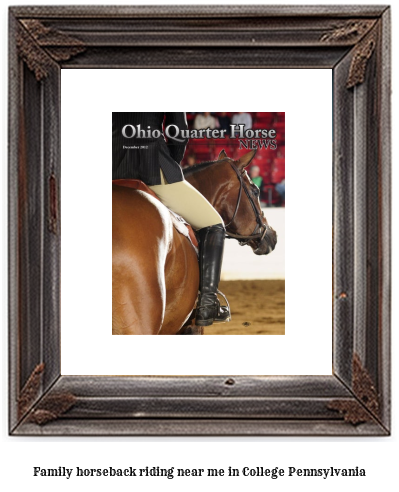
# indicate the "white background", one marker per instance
pixel 240 263
pixel 86 239
pixel 19 455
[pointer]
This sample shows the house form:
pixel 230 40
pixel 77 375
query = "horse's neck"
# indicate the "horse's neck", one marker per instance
pixel 204 182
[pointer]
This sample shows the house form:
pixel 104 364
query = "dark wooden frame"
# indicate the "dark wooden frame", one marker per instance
pixel 353 41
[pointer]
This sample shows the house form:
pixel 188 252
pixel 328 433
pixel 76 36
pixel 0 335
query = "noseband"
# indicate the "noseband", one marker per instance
pixel 263 228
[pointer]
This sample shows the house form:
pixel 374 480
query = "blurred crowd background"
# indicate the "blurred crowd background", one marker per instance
pixel 267 170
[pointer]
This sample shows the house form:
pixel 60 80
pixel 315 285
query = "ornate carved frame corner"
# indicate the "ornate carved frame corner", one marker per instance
pixel 353 42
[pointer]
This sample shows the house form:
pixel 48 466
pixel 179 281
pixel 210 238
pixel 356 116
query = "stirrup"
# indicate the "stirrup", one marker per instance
pixel 225 309
pixel 214 311
pixel 228 305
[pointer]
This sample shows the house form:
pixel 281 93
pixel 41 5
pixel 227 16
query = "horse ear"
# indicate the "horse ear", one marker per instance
pixel 245 160
pixel 222 155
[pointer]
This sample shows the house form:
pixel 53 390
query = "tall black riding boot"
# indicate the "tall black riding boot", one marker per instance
pixel 211 246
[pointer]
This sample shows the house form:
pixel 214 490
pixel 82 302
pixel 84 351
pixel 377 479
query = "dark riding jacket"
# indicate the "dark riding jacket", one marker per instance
pixel 142 158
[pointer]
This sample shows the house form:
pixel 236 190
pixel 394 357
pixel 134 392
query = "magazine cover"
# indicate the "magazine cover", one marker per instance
pixel 198 208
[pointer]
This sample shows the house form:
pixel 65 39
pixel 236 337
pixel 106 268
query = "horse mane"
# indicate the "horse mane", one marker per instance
pixel 188 171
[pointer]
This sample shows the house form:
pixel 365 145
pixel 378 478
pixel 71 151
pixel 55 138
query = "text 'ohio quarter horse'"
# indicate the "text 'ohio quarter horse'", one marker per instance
pixel 155 273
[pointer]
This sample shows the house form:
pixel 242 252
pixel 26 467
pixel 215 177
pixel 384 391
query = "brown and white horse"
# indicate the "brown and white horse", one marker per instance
pixel 155 275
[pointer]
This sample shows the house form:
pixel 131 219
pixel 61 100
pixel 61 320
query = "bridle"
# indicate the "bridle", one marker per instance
pixel 260 226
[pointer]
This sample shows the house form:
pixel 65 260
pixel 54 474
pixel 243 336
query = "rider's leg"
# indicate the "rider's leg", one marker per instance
pixel 211 246
pixel 185 200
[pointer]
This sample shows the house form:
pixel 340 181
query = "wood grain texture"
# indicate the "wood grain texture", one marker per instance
pixel 343 224
pixel 51 243
pixel 204 11
pixel 200 427
pixel 14 304
pixel 384 144
pixel 254 58
pixel 196 31
pixel 355 399
pixel 206 386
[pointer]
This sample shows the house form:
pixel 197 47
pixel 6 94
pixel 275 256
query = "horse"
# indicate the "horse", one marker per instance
pixel 155 272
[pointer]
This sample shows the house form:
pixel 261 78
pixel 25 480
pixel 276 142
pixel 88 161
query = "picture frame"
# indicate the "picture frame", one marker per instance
pixel 352 41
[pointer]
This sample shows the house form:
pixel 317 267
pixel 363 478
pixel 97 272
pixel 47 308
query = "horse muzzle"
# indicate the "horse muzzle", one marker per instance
pixel 267 243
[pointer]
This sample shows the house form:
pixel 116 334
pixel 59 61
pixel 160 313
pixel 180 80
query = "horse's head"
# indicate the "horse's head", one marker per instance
pixel 240 207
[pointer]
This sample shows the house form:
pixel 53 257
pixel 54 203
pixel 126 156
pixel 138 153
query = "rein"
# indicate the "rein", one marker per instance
pixel 263 228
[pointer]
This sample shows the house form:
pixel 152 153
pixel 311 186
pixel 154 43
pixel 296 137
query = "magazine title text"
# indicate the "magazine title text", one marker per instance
pixel 175 133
